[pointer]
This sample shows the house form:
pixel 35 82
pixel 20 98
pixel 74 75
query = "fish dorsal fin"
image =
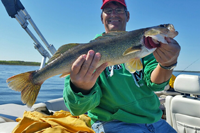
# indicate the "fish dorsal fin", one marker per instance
pixel 134 65
pixel 132 50
pixel 62 50
pixel 110 34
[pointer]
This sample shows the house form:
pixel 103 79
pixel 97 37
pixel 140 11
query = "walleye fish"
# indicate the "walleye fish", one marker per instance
pixel 115 48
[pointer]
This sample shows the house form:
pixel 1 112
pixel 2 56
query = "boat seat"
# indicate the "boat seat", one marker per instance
pixel 166 92
pixel 56 105
pixel 7 127
pixel 162 96
pixel 2 120
pixel 50 106
pixel 13 111
pixel 9 112
pixel 183 111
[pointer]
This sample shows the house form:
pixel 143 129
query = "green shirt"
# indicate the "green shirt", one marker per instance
pixel 119 95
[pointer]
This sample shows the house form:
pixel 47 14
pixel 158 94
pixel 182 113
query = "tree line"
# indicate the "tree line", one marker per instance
pixel 2 62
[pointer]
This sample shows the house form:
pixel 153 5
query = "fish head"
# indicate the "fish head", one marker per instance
pixel 146 46
pixel 168 30
pixel 158 34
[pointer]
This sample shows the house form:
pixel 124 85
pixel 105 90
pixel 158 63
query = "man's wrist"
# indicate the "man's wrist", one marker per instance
pixel 171 67
pixel 77 90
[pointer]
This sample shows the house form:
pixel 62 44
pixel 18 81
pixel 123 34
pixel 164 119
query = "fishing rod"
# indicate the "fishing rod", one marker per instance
pixel 188 66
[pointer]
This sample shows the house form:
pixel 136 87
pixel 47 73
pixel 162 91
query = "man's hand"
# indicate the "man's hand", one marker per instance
pixel 83 75
pixel 167 54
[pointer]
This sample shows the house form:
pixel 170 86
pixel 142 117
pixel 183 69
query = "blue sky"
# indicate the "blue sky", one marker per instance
pixel 78 21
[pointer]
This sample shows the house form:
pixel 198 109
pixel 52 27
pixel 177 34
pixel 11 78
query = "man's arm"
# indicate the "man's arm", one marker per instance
pixel 78 103
pixel 82 92
pixel 166 55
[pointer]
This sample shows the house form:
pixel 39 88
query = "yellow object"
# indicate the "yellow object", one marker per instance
pixel 59 122
pixel 134 65
pixel 171 81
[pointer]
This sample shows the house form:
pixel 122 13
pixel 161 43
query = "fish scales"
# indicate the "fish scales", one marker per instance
pixel 106 47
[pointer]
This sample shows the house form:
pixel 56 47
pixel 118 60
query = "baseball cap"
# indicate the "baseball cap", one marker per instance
pixel 119 1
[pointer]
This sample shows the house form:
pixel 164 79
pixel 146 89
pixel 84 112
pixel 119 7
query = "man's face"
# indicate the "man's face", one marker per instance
pixel 114 20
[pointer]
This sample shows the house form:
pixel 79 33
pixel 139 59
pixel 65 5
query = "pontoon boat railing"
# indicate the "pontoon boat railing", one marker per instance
pixel 16 10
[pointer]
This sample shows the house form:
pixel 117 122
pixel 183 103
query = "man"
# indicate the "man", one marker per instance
pixel 122 102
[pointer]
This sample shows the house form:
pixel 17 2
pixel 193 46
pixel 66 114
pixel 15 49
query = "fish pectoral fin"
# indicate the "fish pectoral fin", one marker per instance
pixel 132 50
pixel 62 50
pixel 64 75
pixel 134 65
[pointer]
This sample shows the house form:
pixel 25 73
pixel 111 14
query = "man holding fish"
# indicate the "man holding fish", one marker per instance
pixel 120 98
pixel 114 76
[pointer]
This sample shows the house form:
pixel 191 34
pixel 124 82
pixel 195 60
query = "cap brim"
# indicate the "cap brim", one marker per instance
pixel 111 1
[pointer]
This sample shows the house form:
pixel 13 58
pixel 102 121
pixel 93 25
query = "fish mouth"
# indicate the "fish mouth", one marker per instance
pixel 149 43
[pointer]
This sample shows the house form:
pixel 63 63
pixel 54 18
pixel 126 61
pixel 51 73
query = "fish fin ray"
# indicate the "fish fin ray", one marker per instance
pixel 134 65
pixel 23 82
pixel 62 50
pixel 64 75
pixel 132 50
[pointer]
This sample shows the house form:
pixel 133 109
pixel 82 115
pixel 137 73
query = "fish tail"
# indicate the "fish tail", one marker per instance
pixel 24 82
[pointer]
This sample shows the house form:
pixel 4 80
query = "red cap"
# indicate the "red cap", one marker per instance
pixel 120 1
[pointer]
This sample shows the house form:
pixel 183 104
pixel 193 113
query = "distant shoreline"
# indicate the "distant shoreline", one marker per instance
pixel 27 63
pixel 187 71
pixel 23 63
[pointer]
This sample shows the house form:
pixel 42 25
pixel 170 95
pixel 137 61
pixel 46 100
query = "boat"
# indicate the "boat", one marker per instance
pixel 180 105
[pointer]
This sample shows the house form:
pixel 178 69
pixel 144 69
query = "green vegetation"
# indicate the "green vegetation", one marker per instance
pixel 19 63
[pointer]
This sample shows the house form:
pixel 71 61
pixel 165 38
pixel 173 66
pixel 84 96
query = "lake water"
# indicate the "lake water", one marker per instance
pixel 52 88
